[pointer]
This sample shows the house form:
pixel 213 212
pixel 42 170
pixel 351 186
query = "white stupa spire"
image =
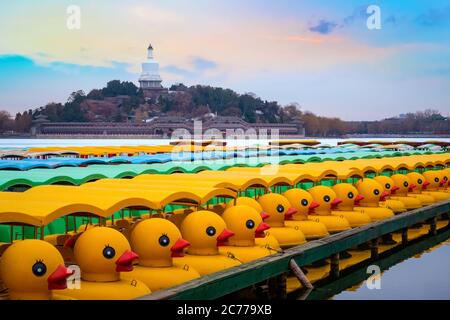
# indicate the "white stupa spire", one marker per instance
pixel 150 52
pixel 150 77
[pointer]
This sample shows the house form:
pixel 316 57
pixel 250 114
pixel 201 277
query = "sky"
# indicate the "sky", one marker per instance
pixel 319 53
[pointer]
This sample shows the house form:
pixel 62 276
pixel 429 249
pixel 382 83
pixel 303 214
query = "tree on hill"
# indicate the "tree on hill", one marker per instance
pixel 117 88
pixel 95 94
pixel 72 111
pixel 6 122
pixel 23 121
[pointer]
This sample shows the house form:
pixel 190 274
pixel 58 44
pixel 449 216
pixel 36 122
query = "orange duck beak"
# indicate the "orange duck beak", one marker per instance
pixel 259 232
pixel 358 198
pixel 383 196
pixel 425 185
pixel 288 214
pixel 177 248
pixel 394 188
pixel 442 182
pixel 223 237
pixel 58 279
pixel 313 206
pixel 412 186
pixel 335 202
pixel 125 261
pixel 264 215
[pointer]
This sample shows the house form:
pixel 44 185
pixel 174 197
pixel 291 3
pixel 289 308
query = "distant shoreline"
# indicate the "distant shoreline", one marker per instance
pixel 131 137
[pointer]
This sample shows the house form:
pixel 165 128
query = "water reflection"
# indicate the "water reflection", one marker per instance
pixel 424 276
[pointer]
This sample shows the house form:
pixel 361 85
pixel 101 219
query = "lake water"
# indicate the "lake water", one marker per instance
pixel 26 143
pixel 417 278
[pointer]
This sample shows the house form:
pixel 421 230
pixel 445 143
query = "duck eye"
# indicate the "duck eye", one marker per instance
pixel 326 199
pixel 350 195
pixel 164 240
pixel 304 202
pixel 436 179
pixel 250 224
pixel 376 192
pixel 388 186
pixel 210 231
pixel 445 178
pixel 405 184
pixel 280 208
pixel 419 181
pixel 109 252
pixel 39 269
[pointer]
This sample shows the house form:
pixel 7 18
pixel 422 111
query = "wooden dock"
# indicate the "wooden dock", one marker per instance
pixel 246 275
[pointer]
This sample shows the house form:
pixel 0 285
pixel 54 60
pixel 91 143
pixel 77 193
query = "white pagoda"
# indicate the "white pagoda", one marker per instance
pixel 150 80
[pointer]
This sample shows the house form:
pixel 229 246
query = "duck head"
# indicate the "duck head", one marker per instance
pixel 246 201
pixel 277 207
pixel 387 183
pixel 302 201
pixel 205 231
pixel 419 180
pixel 326 198
pixel 404 184
pixel 30 269
pixel 349 196
pixel 372 191
pixel 246 223
pixel 157 241
pixel 434 179
pixel 102 253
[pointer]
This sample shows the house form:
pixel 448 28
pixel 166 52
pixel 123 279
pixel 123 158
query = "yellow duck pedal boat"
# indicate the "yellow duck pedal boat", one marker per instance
pixel 372 192
pixel 103 253
pixel 34 270
pixel 433 178
pixel 419 180
pixel 325 198
pixel 389 187
pixel 269 241
pixel 303 202
pixel 206 231
pixel 349 196
pixel 158 243
pixel 247 224
pixel 404 186
pixel 279 209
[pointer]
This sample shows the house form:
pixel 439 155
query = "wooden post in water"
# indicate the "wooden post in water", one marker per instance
pixel 404 236
pixel 334 265
pixel 300 275
pixel 282 286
